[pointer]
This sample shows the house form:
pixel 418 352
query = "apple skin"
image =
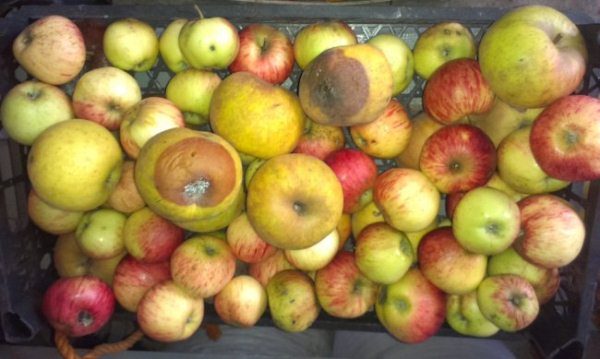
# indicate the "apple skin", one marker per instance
pixel 455 90
pixel 498 183
pixel 344 230
pixel 245 243
pixel 441 43
pixel 203 265
pixel 105 268
pixel 452 200
pixel 168 46
pixel 342 290
pixel 411 309
pixel 356 172
pixel 134 278
pixel 126 198
pixel 552 232
pixel 167 313
pixel 508 301
pixel 450 267
pixel 68 259
pixel 518 167
pixel 464 316
pixel 400 57
pixel 241 302
pixel 486 221
pixel 51 49
pixel 104 94
pixel 100 233
pixel 78 174
pixel 533 55
pixel 382 253
pixel 458 158
pixel 564 138
pixel 209 43
pixel 368 214
pixel 292 300
pixel 264 51
pixel 51 219
pixel 316 256
pixel 320 140
pixel 131 44
pixel 149 237
pixel 78 306
pixel 264 270
pixel 315 38
pixel 423 126
pixel 387 136
pixel 30 107
pixel 191 91
pixel 407 199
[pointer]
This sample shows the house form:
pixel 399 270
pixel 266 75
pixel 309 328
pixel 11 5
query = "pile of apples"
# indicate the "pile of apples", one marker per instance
pixel 236 191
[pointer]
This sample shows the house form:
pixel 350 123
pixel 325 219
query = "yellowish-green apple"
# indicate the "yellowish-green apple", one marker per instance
pixel 368 214
pixel 51 219
pixel 320 140
pixel 400 57
pixel 315 38
pixel 131 45
pixel 209 43
pixel 191 91
pixel 415 237
pixel 125 197
pixel 316 256
pixel 463 315
pixel 100 233
pixel 245 243
pixel 498 183
pixel 168 45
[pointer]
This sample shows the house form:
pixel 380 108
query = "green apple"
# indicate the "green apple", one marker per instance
pixel 486 221
pixel 464 316
pixel 251 169
pixel 31 107
pixel 209 43
pixel 315 38
pixel 100 233
pixel 191 91
pixel 168 45
pixel 368 214
pixel 532 56
pixel 383 254
pixel 400 57
pixel 441 43
pixel 131 44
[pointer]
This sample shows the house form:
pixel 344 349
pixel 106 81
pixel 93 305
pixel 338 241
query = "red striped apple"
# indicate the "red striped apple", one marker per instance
pixel 320 140
pixel 134 278
pixel 245 243
pixel 268 267
pixel 241 302
pixel 100 233
pixel 125 197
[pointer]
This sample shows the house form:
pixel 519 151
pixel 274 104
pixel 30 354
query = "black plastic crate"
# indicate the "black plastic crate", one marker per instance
pixel 563 326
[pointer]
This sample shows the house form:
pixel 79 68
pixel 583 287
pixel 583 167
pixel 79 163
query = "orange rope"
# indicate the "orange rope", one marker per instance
pixel 68 352
pixel 64 347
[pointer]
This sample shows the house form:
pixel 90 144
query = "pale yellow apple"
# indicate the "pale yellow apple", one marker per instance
pixel 168 45
pixel 368 214
pixel 131 44
pixel 400 57
pixel 191 91
pixel 316 256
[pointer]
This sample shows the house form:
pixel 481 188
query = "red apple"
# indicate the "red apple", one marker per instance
pixel 134 278
pixel 320 140
pixel 452 200
pixel 245 243
pixel 268 267
pixel 125 197
pixel 458 158
pixel 356 171
pixel 564 138
pixel 455 90
pixel 78 306
pixel 265 52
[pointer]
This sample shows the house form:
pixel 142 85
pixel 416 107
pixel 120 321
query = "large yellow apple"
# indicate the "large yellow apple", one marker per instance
pixel 74 165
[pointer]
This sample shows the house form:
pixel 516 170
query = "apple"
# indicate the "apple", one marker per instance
pixel 552 232
pixel 78 306
pixel 264 51
pixel 131 44
pixel 356 172
pixel 203 265
pixel 320 140
pixel 449 266
pixel 545 281
pixel 77 174
pixel 146 119
pixel 191 91
pixel 292 300
pixel 149 237
pixel 387 136
pixel 125 197
pixel 344 229
pixel 411 309
pixel 105 268
pixel 533 55
pixel 134 278
pixel 464 316
pixel 498 183
pixel 241 302
pixel 442 43
pixel 245 243
pixel 316 256
pixel 104 94
pixel 342 289
pixel 51 219
pixel 209 43
pixel 167 313
pixel 564 139
pixel 415 237
pixel 423 126
pixel 399 56
pixel 508 301
pixel 368 214
pixel 407 199
pixel 486 221
pixel 68 259
pixel 519 169
pixel 264 270
pixel 294 201
pixel 168 46
pixel 458 158
pixel 30 107
pixel 456 90
pixel 251 169
pixel 100 233
pixel 317 37
pixel 383 254
pixel 51 49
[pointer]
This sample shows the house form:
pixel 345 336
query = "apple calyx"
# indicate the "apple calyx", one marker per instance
pixel 85 318
pixel 34 94
pixel 299 208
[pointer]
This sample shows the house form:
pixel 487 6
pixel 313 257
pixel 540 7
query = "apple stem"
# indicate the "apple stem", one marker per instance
pixel 199 11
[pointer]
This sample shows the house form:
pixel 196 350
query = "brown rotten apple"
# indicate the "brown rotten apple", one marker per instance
pixel 192 178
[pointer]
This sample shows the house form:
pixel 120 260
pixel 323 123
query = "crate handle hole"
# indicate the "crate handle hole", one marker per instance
pixel 15 328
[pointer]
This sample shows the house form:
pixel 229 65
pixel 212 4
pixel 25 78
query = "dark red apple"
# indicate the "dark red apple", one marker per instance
pixel 134 278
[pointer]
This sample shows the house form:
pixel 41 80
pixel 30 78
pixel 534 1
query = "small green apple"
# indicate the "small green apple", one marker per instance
pixel 315 38
pixel 131 44
pixel 464 316
pixel 191 91
pixel 209 43
pixel 400 57
pixel 168 45
pixel 100 233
